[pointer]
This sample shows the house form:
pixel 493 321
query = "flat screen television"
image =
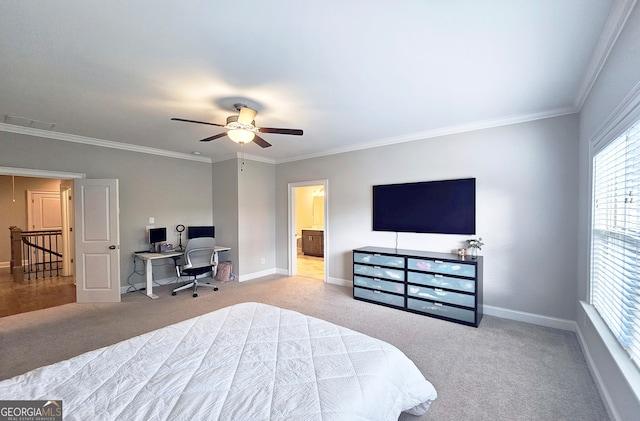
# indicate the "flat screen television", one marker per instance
pixel 157 235
pixel 439 207
pixel 201 231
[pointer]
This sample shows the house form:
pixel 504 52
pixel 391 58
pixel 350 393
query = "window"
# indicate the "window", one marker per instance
pixel 615 253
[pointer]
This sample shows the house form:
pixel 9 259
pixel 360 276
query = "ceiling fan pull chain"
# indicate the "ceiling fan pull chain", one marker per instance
pixel 241 157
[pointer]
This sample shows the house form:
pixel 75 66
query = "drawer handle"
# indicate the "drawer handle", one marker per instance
pixel 438 261
pixel 438 304
pixel 437 290
pixel 376 292
pixel 439 276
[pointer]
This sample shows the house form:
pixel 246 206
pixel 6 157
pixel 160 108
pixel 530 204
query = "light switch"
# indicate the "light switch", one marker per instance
pixel 152 220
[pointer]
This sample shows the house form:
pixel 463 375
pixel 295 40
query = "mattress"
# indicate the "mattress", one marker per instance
pixel 249 361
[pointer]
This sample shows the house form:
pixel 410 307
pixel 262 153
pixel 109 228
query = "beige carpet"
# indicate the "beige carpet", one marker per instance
pixel 503 370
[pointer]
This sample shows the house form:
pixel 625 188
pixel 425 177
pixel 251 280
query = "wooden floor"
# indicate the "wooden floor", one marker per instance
pixel 34 294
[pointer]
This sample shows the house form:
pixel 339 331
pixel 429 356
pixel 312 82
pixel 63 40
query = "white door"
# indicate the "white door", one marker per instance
pixel 97 240
pixel 44 210
pixel 43 214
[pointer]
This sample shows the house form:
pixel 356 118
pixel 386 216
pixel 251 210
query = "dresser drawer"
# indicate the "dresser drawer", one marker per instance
pixel 378 259
pixel 388 286
pixel 381 297
pixel 378 272
pixel 442 296
pixel 442 310
pixel 439 266
pixel 441 281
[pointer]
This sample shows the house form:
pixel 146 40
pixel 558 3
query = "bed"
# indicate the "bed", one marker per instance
pixel 249 361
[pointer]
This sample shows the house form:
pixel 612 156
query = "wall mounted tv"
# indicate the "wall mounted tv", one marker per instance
pixel 439 207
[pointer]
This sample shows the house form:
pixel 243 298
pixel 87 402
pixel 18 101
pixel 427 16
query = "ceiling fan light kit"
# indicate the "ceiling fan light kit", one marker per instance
pixel 241 128
pixel 241 136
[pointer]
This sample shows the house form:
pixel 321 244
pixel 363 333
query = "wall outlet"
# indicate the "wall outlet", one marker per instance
pixel 263 260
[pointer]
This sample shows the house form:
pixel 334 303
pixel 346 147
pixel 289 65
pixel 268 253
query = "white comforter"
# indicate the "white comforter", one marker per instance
pixel 249 361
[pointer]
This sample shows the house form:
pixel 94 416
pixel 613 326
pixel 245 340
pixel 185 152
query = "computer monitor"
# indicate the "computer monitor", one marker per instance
pixel 157 235
pixel 201 231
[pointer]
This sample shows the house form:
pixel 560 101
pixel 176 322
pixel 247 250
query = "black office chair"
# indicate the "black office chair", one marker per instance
pixel 199 258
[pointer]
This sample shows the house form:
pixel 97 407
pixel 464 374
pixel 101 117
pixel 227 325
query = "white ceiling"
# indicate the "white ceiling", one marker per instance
pixel 350 73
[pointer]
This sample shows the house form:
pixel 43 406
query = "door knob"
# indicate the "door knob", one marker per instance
pixel 112 247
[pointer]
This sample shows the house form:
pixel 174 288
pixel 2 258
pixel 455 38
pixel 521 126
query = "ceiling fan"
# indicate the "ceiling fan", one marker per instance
pixel 241 128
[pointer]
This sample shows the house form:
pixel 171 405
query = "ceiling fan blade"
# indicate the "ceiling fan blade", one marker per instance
pixel 199 122
pixel 295 132
pixel 218 136
pixel 246 115
pixel 261 142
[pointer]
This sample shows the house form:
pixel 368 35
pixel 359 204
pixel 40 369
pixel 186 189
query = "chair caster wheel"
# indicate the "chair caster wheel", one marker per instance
pixel 195 295
pixel 215 288
pixel 174 293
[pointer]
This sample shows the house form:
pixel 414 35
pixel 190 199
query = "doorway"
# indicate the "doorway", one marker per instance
pixel 308 224
pixel 20 185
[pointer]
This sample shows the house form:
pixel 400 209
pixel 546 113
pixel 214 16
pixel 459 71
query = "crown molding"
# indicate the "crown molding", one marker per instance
pixel 29 172
pixel 622 117
pixel 429 134
pixel 240 155
pixel 620 11
pixel 445 131
pixel 66 137
pixel 255 158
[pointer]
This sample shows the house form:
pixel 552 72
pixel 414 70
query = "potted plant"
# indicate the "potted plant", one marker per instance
pixel 475 245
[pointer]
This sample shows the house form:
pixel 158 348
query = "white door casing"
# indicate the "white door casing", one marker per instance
pixel 66 207
pixel 97 240
pixel 292 243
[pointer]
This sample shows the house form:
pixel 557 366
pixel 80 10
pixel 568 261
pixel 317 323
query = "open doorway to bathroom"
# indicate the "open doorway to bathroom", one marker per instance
pixel 308 224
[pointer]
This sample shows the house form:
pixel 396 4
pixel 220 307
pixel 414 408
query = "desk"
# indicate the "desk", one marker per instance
pixel 149 257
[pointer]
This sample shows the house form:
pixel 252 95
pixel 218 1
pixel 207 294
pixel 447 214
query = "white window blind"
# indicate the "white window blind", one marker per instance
pixel 615 254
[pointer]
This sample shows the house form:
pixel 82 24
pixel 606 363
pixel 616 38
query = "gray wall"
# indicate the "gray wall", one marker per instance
pixel 244 214
pixel 618 78
pixel 173 191
pixel 225 208
pixel 256 215
pixel 527 183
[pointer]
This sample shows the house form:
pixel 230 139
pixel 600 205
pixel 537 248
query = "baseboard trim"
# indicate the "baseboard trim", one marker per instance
pixel 341 282
pixel 532 318
pixel 139 287
pixel 7 264
pixel 254 275
pixel 142 286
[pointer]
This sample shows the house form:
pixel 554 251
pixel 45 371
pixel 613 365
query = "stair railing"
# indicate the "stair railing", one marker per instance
pixel 35 252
